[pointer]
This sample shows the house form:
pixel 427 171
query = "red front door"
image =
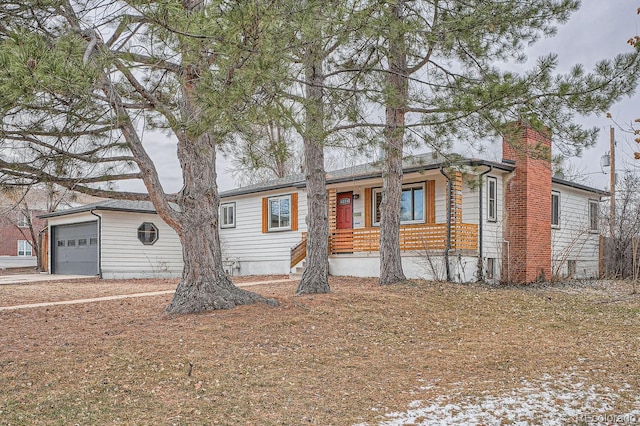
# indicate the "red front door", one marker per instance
pixel 344 210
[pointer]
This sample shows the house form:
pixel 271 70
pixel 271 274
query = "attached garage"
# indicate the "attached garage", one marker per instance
pixel 113 239
pixel 74 249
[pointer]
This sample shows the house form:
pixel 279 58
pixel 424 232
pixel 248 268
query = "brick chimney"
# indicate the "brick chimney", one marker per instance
pixel 527 250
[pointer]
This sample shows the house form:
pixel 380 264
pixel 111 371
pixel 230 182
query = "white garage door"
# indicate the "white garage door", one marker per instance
pixel 74 249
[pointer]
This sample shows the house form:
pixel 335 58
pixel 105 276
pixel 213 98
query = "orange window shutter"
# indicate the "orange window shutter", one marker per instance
pixel 367 208
pixel 430 199
pixel 294 211
pixel 265 215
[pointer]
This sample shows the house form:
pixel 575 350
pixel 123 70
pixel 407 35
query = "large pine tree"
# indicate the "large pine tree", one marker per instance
pixel 434 69
pixel 81 83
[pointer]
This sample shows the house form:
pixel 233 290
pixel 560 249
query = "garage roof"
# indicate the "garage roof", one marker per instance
pixel 109 205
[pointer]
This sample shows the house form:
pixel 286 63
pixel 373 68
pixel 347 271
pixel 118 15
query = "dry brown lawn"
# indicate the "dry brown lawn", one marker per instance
pixel 348 357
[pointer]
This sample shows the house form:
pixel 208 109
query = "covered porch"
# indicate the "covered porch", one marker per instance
pixel 348 236
pixel 417 238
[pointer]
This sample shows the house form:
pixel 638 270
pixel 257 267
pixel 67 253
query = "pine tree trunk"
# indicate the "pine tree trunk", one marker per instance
pixel 390 255
pixel 315 278
pixel 396 107
pixel 204 284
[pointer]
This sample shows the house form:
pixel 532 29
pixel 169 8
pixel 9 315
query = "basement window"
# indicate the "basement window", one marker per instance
pixel 148 233
pixel 491 268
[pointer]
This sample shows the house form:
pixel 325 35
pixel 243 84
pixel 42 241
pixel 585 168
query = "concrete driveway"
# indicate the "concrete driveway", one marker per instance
pixel 32 278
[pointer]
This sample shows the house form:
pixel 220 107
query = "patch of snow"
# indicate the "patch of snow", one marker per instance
pixel 547 401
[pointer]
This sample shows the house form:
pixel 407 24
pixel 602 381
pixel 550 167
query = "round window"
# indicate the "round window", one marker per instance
pixel 147 233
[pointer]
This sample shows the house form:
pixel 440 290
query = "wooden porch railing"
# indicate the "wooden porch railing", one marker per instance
pixel 412 237
pixel 299 251
pixel 433 236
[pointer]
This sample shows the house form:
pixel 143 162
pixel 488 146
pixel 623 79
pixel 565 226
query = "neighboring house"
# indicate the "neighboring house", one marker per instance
pixel 20 221
pixel 15 230
pixel 506 221
pixel 113 239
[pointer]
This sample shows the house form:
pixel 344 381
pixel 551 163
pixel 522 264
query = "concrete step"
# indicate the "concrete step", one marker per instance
pixel 297 273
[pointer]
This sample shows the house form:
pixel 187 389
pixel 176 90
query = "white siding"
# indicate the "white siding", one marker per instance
pixel 493 231
pixel 470 204
pixel 71 219
pixel 441 198
pixel 250 250
pixel 122 255
pixel 573 240
pixel 415 266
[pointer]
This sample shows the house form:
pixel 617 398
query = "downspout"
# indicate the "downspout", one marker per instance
pixel 480 226
pixel 99 242
pixel 448 243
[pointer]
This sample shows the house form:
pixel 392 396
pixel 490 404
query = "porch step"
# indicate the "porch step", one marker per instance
pixel 297 273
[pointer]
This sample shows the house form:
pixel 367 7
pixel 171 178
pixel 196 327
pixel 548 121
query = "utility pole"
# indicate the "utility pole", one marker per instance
pixel 612 182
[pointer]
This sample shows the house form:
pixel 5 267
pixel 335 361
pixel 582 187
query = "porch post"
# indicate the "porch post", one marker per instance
pixel 332 196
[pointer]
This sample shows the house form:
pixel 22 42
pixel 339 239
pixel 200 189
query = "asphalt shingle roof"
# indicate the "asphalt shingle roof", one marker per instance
pixel 111 205
pixel 412 163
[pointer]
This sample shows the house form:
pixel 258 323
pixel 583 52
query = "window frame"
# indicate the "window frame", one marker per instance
pixel 26 243
pixel 156 233
pixel 223 216
pixel 23 220
pixel 492 181
pixel 593 221
pixel 491 268
pixel 279 199
pixel 409 186
pixel 556 220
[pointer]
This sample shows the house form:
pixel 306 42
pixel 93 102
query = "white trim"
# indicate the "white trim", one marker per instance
pixel 224 207
pixel 279 199
pixel 27 248
pixel 417 185
pixel 148 237
pixel 23 220
pixel 593 220
pixel 558 210
pixel 492 181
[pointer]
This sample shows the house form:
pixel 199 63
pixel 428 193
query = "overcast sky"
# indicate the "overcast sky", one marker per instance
pixel 600 29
